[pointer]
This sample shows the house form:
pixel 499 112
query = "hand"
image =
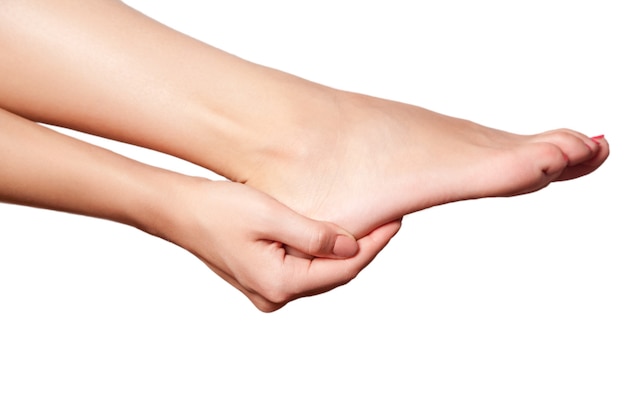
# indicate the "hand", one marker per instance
pixel 236 230
pixel 242 234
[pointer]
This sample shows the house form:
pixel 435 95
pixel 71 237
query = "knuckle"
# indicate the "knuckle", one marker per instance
pixel 273 289
pixel 266 306
pixel 320 241
pixel 351 273
pixel 276 296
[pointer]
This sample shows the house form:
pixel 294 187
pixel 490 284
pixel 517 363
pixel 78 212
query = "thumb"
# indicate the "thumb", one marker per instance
pixel 308 238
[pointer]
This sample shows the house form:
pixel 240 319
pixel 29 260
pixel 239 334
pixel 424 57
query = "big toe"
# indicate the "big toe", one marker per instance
pixel 582 153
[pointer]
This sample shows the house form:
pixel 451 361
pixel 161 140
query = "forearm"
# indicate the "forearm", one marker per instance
pixel 236 230
pixel 43 168
pixel 101 67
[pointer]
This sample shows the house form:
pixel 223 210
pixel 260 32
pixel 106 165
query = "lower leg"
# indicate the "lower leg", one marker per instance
pixel 101 67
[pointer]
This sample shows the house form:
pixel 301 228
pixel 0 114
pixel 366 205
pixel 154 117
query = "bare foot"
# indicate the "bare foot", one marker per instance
pixel 361 162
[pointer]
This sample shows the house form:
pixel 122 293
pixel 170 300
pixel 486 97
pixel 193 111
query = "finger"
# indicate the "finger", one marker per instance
pixel 321 275
pixel 259 301
pixel 310 237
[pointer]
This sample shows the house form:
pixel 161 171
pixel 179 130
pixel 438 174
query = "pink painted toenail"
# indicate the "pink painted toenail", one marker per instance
pixel 597 139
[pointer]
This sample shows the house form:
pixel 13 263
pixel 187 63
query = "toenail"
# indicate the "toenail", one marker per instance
pixel 597 139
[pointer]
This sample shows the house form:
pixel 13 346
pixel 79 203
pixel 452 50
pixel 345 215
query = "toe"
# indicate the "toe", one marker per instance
pixel 576 147
pixel 583 154
pixel 587 166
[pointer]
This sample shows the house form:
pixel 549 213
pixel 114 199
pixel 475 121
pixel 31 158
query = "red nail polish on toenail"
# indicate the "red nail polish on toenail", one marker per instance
pixel 597 139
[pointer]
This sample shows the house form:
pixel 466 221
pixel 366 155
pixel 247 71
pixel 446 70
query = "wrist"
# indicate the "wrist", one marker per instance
pixel 157 203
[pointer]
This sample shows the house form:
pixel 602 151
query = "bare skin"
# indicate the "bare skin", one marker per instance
pixel 354 160
pixel 402 159
pixel 235 230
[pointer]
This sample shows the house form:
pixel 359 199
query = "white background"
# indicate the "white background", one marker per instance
pixel 500 307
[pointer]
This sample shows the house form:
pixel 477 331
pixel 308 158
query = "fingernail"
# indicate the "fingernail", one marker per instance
pixel 345 247
pixel 597 139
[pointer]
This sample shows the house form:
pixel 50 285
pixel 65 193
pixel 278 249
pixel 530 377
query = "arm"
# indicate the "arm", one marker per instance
pixel 236 230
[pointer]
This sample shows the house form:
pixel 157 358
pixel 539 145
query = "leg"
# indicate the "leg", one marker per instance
pixel 113 72
pixel 354 160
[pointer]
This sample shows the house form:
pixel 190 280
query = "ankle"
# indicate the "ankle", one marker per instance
pixel 301 124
